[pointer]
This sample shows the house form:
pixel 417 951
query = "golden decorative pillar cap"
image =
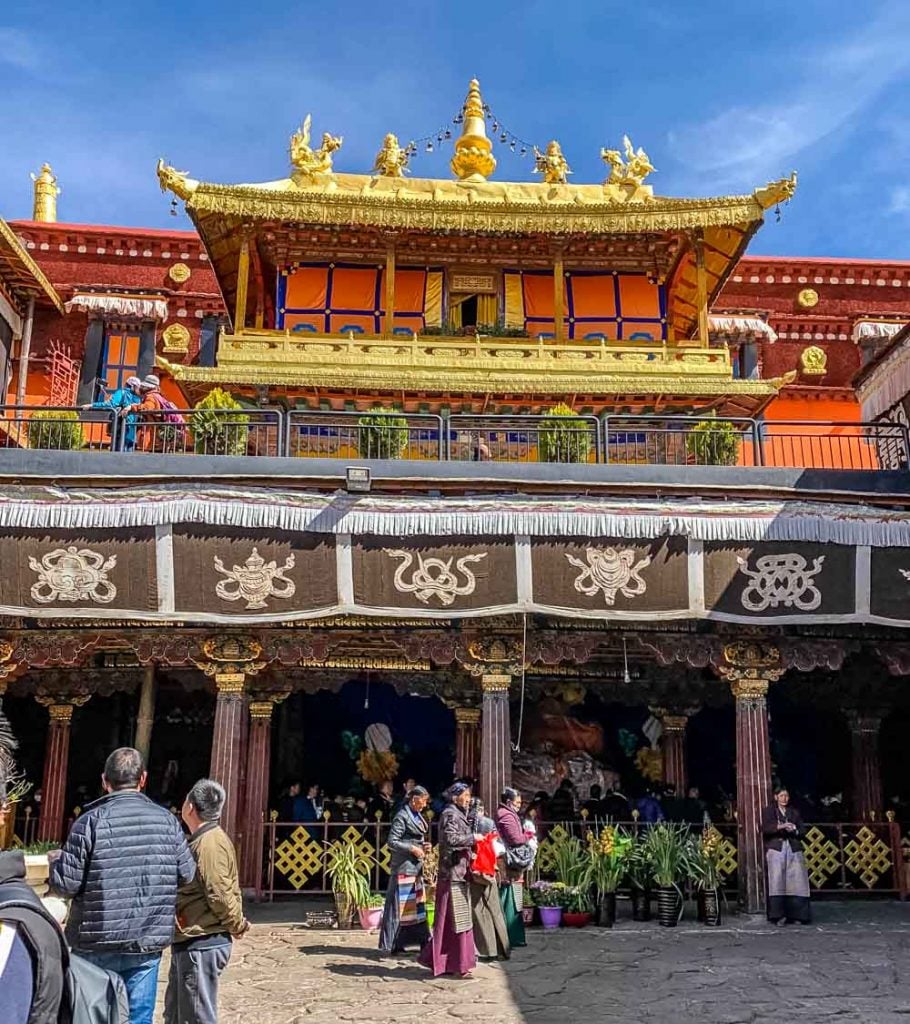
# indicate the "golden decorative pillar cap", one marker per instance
pixel 473 159
pixel 46 192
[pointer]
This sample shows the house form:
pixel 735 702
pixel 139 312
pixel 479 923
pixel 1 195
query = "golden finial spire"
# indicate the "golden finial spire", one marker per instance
pixel 46 192
pixel 473 159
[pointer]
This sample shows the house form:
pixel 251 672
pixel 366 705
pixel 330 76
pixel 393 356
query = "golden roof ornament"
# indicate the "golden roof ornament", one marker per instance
pixel 776 192
pixel 626 180
pixel 313 161
pixel 473 159
pixel 391 161
pixel 552 164
pixel 176 181
pixel 46 192
pixel 813 361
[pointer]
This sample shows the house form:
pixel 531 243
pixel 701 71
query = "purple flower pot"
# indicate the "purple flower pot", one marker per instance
pixel 551 917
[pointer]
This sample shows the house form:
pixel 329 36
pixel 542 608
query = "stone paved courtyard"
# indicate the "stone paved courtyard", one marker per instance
pixel 852 964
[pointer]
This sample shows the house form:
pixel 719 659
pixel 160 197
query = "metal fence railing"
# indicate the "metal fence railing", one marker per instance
pixel 370 435
pixel 671 440
pixel 523 438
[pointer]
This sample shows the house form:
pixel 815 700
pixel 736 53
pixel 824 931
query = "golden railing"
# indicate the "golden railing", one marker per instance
pixel 846 858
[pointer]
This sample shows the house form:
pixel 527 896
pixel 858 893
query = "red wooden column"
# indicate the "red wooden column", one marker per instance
pixel 56 764
pixel 673 747
pixel 750 668
pixel 259 757
pixel 866 768
pixel 495 738
pixel 467 742
pixel 227 737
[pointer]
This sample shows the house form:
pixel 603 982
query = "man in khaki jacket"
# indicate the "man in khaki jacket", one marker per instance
pixel 209 913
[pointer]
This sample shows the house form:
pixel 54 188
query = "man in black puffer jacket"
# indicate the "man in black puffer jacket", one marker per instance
pixel 122 864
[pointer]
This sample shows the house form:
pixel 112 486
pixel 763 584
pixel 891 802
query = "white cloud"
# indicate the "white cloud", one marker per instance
pixel 745 144
pixel 18 50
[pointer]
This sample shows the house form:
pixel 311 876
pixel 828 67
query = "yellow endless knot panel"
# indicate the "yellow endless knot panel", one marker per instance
pixel 545 851
pixel 868 856
pixel 726 856
pixel 298 858
pixel 822 856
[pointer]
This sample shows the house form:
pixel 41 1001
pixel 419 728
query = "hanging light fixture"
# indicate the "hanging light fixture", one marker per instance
pixel 429 147
pixel 512 145
pixel 626 678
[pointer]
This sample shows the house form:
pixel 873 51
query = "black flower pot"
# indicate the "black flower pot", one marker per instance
pixel 606 910
pixel 712 908
pixel 700 906
pixel 669 906
pixel 641 904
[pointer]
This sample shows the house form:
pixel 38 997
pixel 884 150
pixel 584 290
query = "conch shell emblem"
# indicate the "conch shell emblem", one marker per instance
pixel 610 571
pixel 73 574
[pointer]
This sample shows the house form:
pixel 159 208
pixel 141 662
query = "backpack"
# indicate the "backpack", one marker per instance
pixel 91 995
pixel 172 415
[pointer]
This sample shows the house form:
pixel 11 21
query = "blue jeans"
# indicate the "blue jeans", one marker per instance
pixel 140 975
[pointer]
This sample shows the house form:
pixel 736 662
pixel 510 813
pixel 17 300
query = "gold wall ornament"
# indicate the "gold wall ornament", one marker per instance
pixel 744 654
pixel 807 298
pixel 552 164
pixel 626 178
pixel 473 159
pixel 230 659
pixel 179 273
pixel 176 339
pixel 467 716
pixel 73 574
pixel 813 361
pixel 175 181
pixel 749 689
pixel 391 160
pixel 46 192
pixel 255 581
pixel 310 161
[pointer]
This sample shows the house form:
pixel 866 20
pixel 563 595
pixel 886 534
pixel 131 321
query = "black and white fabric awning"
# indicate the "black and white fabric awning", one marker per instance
pixel 877 330
pixel 140 307
pixel 730 327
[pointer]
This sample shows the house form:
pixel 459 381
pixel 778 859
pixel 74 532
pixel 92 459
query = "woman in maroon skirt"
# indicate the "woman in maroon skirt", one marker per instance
pixel 451 946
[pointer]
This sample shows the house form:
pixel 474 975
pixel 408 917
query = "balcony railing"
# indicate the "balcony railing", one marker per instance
pixel 578 439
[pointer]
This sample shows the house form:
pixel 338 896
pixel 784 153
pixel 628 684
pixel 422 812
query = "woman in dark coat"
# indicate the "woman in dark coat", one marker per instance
pixel 519 858
pixel 451 947
pixel 404 919
pixel 788 879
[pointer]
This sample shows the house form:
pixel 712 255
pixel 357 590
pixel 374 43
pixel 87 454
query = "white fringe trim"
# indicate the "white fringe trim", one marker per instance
pixel 260 509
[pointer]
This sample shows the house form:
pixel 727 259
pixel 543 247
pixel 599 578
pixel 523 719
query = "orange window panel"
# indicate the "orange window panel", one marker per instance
pixel 638 297
pixel 410 286
pixel 538 295
pixel 306 288
pixel 354 288
pixel 593 295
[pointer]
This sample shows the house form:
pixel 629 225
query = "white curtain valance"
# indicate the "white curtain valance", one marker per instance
pixel 871 329
pixel 741 327
pixel 886 385
pixel 143 307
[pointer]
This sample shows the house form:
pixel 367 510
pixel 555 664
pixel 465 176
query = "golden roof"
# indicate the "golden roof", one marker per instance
pixel 21 273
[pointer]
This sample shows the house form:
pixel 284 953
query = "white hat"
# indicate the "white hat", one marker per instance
pixel 133 382
pixel 151 381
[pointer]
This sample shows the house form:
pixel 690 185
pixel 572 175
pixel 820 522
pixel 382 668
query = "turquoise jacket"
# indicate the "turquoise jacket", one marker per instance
pixel 123 398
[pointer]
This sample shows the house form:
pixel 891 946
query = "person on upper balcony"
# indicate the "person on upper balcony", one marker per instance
pixel 124 401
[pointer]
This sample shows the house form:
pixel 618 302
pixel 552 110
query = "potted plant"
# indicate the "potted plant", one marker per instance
pixel 704 870
pixel 563 436
pixel 371 914
pixel 61 431
pixel 667 845
pixel 641 879
pixel 219 425
pixel 608 855
pixel 348 870
pixel 382 434
pixel 569 860
pixel 713 442
pixel 550 899
pixel 577 911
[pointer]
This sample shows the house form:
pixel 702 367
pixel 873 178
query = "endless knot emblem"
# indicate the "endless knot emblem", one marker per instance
pixel 781 580
pixel 254 581
pixel 73 574
pixel 611 571
pixel 434 577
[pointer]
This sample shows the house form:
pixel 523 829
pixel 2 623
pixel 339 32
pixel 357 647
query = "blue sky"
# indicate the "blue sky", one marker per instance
pixel 722 95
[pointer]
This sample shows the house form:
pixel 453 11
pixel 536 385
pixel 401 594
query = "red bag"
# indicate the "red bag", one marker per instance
pixel 484 859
